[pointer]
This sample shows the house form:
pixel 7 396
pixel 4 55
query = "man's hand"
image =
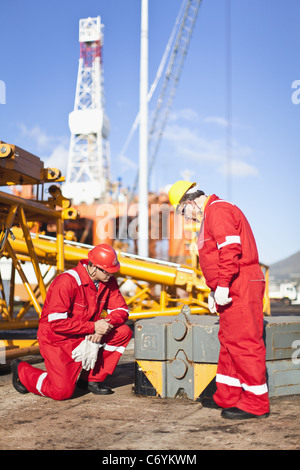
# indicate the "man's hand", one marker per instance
pixel 212 302
pixel 222 296
pixel 95 338
pixel 102 327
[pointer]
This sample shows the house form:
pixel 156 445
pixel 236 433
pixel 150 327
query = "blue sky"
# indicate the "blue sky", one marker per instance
pixel 39 60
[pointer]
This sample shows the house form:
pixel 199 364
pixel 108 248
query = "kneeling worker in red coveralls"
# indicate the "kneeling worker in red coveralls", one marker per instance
pixel 229 261
pixel 74 341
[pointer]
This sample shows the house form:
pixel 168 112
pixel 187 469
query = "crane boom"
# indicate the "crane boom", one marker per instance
pixel 172 76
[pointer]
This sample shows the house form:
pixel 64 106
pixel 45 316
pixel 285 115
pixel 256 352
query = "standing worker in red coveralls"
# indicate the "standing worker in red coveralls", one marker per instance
pixel 229 261
pixel 71 334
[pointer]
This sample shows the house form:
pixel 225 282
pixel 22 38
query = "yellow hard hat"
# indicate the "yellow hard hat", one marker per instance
pixel 178 190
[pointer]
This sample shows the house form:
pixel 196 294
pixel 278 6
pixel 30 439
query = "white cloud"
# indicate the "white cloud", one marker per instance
pixel 239 169
pixel 40 139
pixel 58 159
pixel 52 150
pixel 187 174
pixel 189 145
pixel 220 121
pixel 187 114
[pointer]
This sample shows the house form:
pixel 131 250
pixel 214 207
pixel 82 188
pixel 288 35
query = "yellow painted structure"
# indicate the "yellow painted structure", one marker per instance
pixel 155 372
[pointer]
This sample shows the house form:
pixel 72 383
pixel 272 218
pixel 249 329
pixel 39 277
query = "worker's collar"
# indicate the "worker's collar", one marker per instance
pixel 205 203
pixel 84 276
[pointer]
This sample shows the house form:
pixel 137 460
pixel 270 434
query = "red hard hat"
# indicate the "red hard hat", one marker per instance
pixel 104 257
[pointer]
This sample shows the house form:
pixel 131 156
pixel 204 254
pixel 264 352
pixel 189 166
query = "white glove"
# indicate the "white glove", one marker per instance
pixel 77 353
pixel 222 296
pixel 212 302
pixel 87 353
pixel 90 355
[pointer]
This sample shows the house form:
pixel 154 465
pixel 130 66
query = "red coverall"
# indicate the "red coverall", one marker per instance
pixel 228 258
pixel 72 305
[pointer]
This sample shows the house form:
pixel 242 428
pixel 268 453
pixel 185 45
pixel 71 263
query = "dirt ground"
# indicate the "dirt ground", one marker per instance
pixel 124 421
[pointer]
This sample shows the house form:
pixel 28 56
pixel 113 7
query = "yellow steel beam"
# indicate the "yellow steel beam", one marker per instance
pixel 32 253
pixel 164 312
pixel 21 352
pixel 60 260
pixel 22 275
pixel 3 304
pixel 17 166
pixel 18 325
pixel 18 348
pixel 139 295
pixel 35 211
pixel 24 309
pixel 7 225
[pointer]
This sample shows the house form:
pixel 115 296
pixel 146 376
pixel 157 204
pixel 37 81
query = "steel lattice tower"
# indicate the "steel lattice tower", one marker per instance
pixel 88 165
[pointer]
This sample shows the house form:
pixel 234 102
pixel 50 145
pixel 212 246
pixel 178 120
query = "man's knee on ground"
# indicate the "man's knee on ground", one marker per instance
pixel 63 394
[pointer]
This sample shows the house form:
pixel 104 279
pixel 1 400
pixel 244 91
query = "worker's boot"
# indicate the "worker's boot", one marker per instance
pixel 236 413
pixel 15 377
pixel 98 388
pixel 210 403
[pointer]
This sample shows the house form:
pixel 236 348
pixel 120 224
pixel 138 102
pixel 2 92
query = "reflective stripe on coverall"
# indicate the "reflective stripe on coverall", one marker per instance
pixel 72 305
pixel 228 257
